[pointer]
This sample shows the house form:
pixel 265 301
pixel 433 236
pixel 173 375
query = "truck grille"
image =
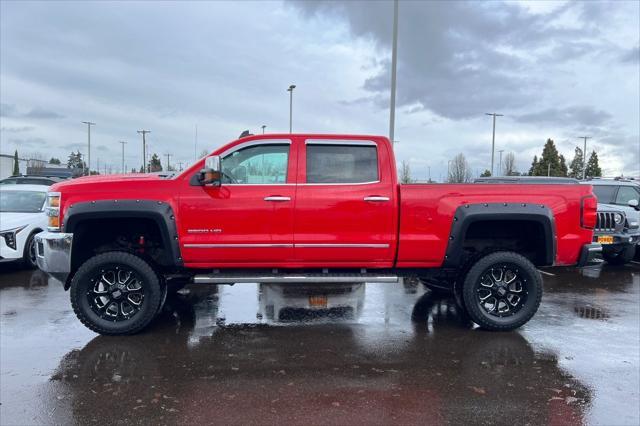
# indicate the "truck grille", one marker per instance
pixel 605 222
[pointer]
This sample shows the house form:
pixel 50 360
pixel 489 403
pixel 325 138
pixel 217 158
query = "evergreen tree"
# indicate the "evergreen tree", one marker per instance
pixel 534 165
pixel 16 164
pixel 593 167
pixel 486 173
pixel 575 168
pixel 54 161
pixel 154 164
pixel 75 161
pixel 563 166
pixel 549 163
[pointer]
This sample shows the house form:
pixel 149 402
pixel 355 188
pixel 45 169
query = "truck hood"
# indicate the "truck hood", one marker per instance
pixel 83 182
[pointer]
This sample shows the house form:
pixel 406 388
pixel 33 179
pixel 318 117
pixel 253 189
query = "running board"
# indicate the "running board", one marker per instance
pixel 222 278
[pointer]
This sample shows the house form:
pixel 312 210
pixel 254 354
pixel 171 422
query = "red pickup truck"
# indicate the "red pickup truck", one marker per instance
pixel 307 208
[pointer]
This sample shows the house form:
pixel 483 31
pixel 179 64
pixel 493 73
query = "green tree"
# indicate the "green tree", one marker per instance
pixel 575 167
pixel 534 165
pixel 54 161
pixel 563 166
pixel 75 161
pixel 16 164
pixel 550 163
pixel 154 164
pixel 593 166
pixel 486 173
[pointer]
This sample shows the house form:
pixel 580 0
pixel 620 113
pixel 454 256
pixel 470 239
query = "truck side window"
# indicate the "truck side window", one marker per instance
pixel 605 193
pixel 256 165
pixel 626 194
pixel 328 163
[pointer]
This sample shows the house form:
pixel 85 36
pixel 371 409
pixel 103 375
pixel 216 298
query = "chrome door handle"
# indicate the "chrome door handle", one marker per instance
pixel 376 198
pixel 277 198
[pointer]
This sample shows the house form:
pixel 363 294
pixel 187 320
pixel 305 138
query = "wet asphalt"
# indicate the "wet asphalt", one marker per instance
pixel 384 354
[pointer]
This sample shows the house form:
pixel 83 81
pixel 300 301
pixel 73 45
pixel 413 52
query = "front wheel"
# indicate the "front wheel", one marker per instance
pixel 29 253
pixel 116 293
pixel 502 291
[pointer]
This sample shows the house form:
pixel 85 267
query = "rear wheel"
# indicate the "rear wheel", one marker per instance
pixel 116 293
pixel 621 257
pixel 502 291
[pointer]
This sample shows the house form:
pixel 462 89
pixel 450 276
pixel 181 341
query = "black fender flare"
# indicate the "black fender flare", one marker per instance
pixel 158 211
pixel 467 214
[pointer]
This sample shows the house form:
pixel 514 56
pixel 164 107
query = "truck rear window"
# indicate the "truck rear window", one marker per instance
pixel 342 163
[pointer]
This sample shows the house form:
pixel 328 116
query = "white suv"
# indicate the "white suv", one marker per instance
pixel 22 216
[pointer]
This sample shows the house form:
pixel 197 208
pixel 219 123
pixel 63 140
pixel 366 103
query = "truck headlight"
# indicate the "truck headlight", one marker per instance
pixel 618 218
pixel 10 236
pixel 52 210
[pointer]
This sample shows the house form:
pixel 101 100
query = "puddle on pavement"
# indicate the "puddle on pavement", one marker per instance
pixel 349 354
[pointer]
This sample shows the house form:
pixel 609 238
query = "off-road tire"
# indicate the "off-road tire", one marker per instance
pixel 81 285
pixel 532 289
pixel 620 258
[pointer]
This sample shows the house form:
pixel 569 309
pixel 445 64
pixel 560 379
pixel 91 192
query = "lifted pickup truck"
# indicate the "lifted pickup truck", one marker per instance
pixel 291 208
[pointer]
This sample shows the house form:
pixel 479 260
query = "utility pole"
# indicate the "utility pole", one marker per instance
pixel 263 127
pixel 144 149
pixel 180 165
pixel 195 146
pixel 394 62
pixel 500 163
pixel 89 124
pixel 493 138
pixel 123 168
pixel 168 157
pixel 290 90
pixel 584 156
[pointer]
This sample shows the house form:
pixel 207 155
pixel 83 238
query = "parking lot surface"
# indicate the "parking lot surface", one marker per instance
pixel 250 354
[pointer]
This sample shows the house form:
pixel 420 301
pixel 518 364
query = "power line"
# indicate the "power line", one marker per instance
pixel 144 148
pixel 123 168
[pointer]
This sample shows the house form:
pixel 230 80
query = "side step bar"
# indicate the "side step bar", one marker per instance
pixel 222 278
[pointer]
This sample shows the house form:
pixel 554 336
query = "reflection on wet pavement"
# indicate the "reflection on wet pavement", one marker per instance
pixel 375 354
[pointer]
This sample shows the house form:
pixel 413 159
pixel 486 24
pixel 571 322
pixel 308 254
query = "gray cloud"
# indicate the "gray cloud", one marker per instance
pixel 11 111
pixel 459 59
pixel 16 129
pixel 575 116
pixel 631 56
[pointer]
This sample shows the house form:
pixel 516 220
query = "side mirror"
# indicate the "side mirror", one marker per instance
pixel 633 203
pixel 211 175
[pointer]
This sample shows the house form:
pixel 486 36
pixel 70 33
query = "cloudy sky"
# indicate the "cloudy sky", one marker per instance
pixel 554 69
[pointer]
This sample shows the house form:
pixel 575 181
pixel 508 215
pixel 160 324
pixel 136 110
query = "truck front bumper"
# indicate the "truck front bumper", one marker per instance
pixel 53 254
pixel 590 255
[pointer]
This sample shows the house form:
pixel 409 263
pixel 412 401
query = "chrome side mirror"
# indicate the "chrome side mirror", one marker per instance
pixel 633 203
pixel 211 175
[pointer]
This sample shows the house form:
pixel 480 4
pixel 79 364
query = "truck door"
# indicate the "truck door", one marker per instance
pixel 248 219
pixel 345 204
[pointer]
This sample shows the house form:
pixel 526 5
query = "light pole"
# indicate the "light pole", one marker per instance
pixel 290 90
pixel 123 168
pixel 264 126
pixel 89 124
pixel 168 157
pixel 493 138
pixel 144 148
pixel 500 163
pixel 584 156
pixel 394 62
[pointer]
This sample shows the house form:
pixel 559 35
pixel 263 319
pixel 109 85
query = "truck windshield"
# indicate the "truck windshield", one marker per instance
pixel 22 201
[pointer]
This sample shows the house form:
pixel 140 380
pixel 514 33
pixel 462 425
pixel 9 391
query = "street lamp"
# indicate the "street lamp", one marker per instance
pixel 89 124
pixel 493 138
pixel 264 126
pixel 290 90
pixel 123 168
